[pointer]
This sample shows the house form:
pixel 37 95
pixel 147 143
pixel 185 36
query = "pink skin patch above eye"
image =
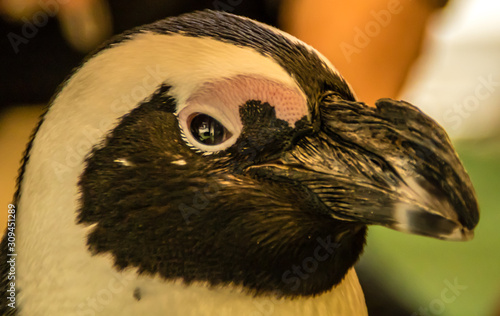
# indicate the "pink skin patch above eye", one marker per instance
pixel 228 95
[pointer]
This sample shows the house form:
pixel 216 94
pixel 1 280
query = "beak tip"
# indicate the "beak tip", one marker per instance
pixel 460 234
pixel 420 221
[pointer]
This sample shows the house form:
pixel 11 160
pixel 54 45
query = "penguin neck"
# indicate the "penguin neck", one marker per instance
pixel 128 294
pixel 346 299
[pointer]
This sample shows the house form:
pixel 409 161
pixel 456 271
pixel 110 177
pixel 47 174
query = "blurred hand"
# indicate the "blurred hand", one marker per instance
pixel 84 23
pixel 372 43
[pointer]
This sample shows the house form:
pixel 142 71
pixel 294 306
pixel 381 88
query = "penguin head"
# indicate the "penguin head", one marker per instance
pixel 213 148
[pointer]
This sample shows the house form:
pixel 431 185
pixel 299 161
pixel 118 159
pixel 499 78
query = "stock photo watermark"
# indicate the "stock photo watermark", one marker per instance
pixel 30 27
pixel 93 134
pixel 11 257
pixel 448 295
pixel 484 89
pixel 364 35
pixel 226 5
pixel 201 199
pixel 102 298
pixel 298 273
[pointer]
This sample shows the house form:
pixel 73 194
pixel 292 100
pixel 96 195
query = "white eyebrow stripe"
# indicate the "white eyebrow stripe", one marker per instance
pixel 297 41
pixel 116 80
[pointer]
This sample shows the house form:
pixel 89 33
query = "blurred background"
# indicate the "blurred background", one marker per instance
pixel 443 56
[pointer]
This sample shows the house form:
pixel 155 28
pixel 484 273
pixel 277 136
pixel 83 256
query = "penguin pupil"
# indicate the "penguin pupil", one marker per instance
pixel 208 130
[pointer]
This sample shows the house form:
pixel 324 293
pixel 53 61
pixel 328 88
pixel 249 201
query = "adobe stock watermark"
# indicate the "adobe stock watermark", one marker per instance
pixel 10 259
pixel 202 197
pixel 363 36
pixel 201 200
pixel 92 134
pixel 226 5
pixel 448 295
pixel 49 9
pixel 298 273
pixel 96 303
pixel 484 89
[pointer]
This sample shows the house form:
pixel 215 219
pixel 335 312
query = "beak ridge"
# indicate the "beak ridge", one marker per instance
pixel 391 166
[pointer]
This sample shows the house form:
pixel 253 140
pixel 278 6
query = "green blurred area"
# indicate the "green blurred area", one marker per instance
pixel 421 269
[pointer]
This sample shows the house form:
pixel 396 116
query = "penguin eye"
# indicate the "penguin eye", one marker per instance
pixel 207 130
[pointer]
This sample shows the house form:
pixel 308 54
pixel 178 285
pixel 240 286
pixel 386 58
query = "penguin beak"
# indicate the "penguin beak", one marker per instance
pixel 390 165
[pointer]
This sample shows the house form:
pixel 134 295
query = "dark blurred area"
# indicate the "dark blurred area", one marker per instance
pixel 44 60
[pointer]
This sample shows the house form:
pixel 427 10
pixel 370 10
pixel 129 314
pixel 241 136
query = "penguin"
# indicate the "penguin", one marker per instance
pixel 209 164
